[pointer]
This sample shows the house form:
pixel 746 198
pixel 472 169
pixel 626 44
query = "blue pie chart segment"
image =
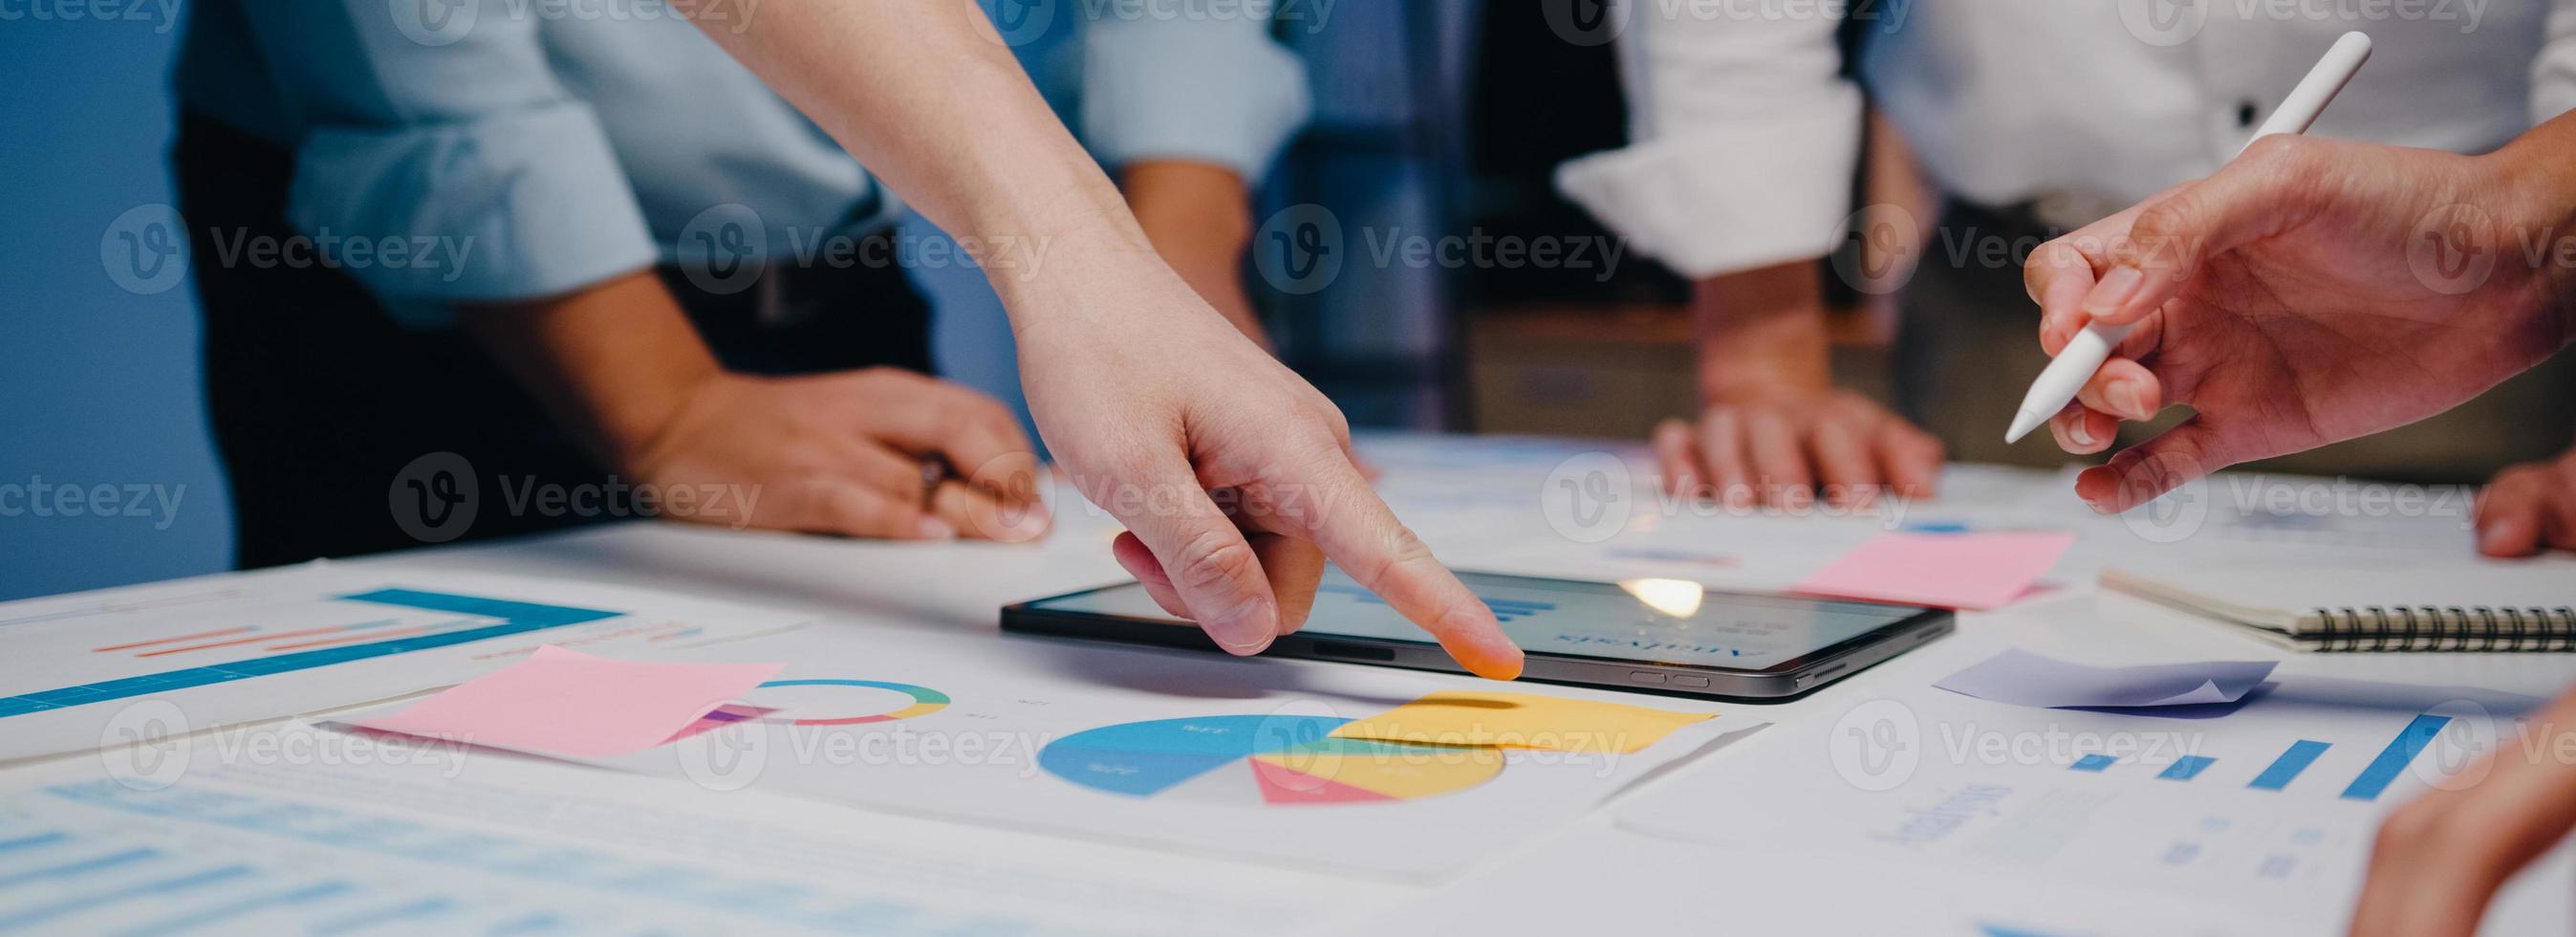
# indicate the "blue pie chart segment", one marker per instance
pixel 1146 758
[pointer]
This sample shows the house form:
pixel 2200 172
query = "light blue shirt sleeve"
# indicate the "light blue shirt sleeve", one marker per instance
pixel 441 125
pixel 1196 80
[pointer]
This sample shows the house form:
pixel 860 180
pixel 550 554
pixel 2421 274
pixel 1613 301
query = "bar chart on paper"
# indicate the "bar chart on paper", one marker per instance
pixel 2258 806
pixel 2392 758
pixel 246 647
pixel 100 857
pixel 276 640
pixel 2276 798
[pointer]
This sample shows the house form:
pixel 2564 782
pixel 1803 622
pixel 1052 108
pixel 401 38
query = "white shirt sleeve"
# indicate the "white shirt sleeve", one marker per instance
pixel 1743 137
pixel 446 123
pixel 2553 72
pixel 1206 84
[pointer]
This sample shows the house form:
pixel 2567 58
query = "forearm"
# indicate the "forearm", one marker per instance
pixel 1761 330
pixel 610 362
pixel 1198 216
pixel 925 96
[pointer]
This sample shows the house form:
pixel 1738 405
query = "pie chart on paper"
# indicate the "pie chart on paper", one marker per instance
pixel 1270 760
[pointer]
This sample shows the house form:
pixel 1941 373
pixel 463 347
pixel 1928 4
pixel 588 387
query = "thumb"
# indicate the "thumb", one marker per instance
pixel 1204 556
pixel 2269 189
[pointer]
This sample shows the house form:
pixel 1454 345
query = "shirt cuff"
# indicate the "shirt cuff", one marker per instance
pixel 512 206
pixel 1214 91
pixel 1712 202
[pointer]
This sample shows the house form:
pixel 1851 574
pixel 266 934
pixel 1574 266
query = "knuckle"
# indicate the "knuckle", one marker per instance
pixel 875 378
pixel 853 509
pixel 2516 478
pixel 2161 222
pixel 1401 548
pixel 2279 154
pixel 1216 559
pixel 2405 829
pixel 803 454
pixel 1332 418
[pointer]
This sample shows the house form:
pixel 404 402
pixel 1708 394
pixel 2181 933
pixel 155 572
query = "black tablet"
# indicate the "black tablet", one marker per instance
pixel 1660 635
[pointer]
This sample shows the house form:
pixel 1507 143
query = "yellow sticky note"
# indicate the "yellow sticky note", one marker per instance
pixel 1521 720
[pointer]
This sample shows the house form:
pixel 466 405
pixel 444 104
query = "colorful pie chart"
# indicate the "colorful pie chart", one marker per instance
pixel 870 705
pixel 1275 760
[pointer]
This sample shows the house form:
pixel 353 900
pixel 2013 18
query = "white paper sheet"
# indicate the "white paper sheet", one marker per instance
pixel 2022 678
pixel 258 846
pixel 113 666
pixel 1596 878
pixel 2265 807
pixel 981 753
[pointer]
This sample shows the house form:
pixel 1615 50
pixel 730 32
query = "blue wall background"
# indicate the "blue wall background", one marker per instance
pixel 99 385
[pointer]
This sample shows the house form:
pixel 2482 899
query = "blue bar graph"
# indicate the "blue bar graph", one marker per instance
pixel 532 924
pixel 18 919
pixel 2185 768
pixel 82 867
pixel 2287 767
pixel 2401 751
pixel 252 905
pixel 223 897
pixel 515 618
pixel 2092 763
pixel 30 842
pixel 364 920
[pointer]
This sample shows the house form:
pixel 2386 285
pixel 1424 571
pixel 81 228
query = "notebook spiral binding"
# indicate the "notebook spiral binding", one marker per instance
pixel 2434 628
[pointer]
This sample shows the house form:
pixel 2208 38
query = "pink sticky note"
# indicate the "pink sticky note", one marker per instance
pixel 561 702
pixel 1975 571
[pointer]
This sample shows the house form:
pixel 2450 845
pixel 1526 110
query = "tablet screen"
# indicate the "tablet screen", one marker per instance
pixel 1662 621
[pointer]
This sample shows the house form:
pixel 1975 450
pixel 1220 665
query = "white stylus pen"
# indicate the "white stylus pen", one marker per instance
pixel 2085 353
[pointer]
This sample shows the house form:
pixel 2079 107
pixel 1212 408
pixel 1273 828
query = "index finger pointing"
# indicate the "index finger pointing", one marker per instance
pixel 1358 532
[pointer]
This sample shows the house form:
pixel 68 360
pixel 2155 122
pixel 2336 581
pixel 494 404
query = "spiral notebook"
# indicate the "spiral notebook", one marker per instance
pixel 2526 606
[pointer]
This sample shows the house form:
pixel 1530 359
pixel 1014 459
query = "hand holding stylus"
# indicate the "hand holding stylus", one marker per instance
pixel 2084 353
pixel 2310 292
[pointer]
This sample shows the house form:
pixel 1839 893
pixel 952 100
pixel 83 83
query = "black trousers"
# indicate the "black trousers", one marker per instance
pixel 335 425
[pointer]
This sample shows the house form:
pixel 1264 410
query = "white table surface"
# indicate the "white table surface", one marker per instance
pixel 1466 511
